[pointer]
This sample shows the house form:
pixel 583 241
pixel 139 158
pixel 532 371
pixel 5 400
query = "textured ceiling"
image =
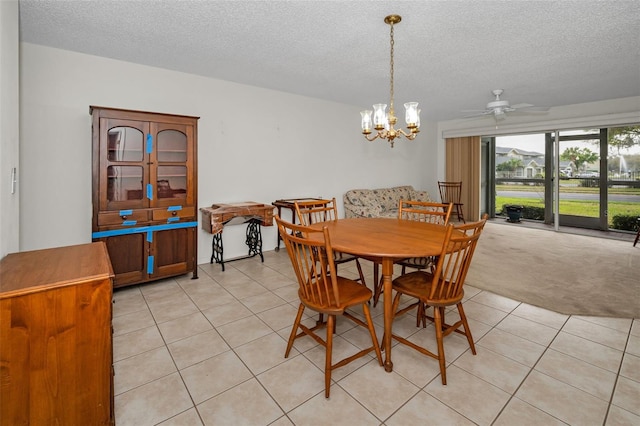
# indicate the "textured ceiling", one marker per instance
pixel 449 55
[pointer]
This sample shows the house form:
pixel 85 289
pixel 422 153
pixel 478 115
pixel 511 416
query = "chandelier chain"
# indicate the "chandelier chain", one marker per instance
pixel 391 71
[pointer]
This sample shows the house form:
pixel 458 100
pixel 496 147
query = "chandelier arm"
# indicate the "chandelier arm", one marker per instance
pixel 411 135
pixel 373 138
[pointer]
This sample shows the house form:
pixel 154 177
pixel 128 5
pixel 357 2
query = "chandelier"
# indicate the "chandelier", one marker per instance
pixel 384 123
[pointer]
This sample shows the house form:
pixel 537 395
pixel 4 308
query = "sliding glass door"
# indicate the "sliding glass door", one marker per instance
pixel 583 194
pixel 591 177
pixel 519 174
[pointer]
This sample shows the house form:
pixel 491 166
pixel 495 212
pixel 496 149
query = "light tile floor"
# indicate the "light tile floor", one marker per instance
pixel 211 352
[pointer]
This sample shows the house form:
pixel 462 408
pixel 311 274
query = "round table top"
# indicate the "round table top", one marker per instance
pixel 382 237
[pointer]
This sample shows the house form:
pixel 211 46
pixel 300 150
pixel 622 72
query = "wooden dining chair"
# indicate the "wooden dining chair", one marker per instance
pixel 423 211
pixel 315 211
pixel 451 192
pixel 323 291
pixel 420 211
pixel 441 287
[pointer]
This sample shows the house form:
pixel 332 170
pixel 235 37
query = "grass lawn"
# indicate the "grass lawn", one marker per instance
pixel 568 186
pixel 576 207
pixel 584 208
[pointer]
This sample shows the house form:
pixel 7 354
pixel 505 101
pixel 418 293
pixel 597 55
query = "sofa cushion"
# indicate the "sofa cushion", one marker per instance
pixel 390 197
pixel 392 214
pixel 420 196
pixel 362 197
pixel 362 211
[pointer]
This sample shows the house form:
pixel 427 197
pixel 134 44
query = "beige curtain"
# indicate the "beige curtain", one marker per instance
pixel 462 156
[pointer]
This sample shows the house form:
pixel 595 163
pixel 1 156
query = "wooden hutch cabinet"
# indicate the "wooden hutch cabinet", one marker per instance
pixel 145 192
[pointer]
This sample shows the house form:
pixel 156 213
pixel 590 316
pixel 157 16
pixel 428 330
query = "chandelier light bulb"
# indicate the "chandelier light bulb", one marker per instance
pixel 379 116
pixel 366 121
pixel 411 115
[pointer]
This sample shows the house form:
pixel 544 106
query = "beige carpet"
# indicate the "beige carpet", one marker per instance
pixel 567 273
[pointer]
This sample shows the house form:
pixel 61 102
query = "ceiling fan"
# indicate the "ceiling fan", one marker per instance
pixel 499 108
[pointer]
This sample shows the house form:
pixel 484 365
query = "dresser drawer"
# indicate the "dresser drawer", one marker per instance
pixel 123 217
pixel 173 213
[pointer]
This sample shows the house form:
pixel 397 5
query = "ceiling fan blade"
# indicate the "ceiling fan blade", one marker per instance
pixel 532 110
pixel 517 106
pixel 479 114
pixel 476 117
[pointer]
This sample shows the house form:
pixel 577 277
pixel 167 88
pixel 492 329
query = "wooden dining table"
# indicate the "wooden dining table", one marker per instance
pixel 385 241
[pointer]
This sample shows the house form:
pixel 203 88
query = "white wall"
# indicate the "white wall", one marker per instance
pixel 9 125
pixel 253 144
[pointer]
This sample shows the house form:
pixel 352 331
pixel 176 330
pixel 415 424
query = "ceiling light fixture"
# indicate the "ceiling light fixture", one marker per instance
pixel 384 123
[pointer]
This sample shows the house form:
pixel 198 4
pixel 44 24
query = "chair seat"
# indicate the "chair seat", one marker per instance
pixel 350 290
pixel 418 284
pixel 418 262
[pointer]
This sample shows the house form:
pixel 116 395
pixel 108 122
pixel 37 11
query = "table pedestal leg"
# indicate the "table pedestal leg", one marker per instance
pixel 387 273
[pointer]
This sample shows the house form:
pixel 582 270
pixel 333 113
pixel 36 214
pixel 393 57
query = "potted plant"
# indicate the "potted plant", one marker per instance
pixel 514 212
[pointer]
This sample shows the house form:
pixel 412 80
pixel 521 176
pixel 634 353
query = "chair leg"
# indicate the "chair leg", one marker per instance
pixel 394 309
pixel 294 330
pixel 425 317
pixel 362 281
pixel 459 213
pixel 467 330
pixel 327 363
pixel 377 285
pixel 422 315
pixel 372 332
pixel 637 238
pixel 439 339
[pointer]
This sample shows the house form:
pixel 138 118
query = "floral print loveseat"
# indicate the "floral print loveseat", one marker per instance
pixel 382 202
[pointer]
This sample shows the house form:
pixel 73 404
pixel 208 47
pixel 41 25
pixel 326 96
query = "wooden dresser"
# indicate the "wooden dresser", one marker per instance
pixel 56 337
